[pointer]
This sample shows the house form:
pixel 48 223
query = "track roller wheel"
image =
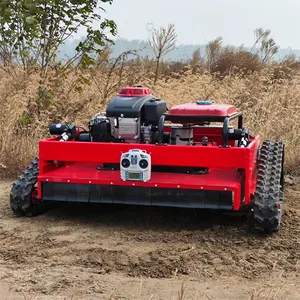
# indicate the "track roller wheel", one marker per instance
pixel 23 192
pixel 268 200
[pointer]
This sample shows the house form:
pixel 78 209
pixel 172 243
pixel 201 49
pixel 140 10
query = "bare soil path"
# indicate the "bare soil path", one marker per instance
pixel 96 252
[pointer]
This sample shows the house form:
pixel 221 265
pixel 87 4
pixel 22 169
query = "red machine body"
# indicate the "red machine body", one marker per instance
pixel 231 169
pixel 80 162
pixel 188 156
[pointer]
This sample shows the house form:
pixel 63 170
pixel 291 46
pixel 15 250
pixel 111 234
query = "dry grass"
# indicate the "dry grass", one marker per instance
pixel 271 107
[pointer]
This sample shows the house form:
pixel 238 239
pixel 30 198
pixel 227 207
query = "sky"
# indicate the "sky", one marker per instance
pixel 200 21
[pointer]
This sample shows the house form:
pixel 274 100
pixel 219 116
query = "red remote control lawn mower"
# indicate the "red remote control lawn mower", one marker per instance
pixel 142 153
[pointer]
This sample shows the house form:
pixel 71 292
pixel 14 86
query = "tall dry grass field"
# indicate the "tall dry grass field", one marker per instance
pixel 271 109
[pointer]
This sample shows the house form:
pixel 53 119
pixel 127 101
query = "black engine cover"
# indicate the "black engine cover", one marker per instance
pixel 154 109
pixel 146 108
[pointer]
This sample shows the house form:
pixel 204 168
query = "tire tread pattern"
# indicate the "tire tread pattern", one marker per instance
pixel 21 192
pixel 268 199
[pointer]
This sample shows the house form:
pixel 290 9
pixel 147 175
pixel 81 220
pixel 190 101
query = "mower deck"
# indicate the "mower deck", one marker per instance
pixel 216 189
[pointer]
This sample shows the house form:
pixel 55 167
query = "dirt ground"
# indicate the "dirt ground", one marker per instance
pixel 114 252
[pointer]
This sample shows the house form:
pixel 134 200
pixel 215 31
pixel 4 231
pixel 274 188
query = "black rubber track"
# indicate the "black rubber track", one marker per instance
pixel 21 192
pixel 266 214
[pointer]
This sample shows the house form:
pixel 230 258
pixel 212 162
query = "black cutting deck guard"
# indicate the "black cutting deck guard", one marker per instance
pixel 137 196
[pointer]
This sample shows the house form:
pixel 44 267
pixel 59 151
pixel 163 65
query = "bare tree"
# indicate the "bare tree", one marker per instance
pixel 162 42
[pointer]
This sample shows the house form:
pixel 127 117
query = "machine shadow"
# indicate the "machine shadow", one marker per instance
pixel 148 217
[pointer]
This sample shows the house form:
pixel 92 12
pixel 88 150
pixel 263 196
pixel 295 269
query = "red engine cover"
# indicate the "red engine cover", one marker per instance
pixel 194 109
pixel 137 91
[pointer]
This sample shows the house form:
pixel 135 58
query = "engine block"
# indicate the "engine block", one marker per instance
pixel 126 128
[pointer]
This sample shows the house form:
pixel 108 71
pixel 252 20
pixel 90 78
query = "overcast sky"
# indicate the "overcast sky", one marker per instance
pixel 199 21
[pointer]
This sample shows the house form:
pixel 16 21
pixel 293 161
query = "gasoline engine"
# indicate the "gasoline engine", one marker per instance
pixel 136 116
pixel 130 117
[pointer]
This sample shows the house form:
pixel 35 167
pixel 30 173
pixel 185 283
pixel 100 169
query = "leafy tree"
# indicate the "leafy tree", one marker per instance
pixel 31 31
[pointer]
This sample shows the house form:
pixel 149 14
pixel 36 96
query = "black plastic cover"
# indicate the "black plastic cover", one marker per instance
pixel 100 131
pixel 130 107
pixel 83 137
pixel 58 129
pixel 154 109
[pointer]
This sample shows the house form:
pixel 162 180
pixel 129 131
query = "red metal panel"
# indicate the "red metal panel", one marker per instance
pixel 170 155
pixel 193 109
pixel 219 160
pixel 250 169
pixel 86 172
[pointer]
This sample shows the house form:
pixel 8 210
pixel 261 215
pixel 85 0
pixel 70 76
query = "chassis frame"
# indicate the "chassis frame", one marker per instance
pixel 69 171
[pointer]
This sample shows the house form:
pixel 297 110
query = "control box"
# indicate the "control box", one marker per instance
pixel 135 165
